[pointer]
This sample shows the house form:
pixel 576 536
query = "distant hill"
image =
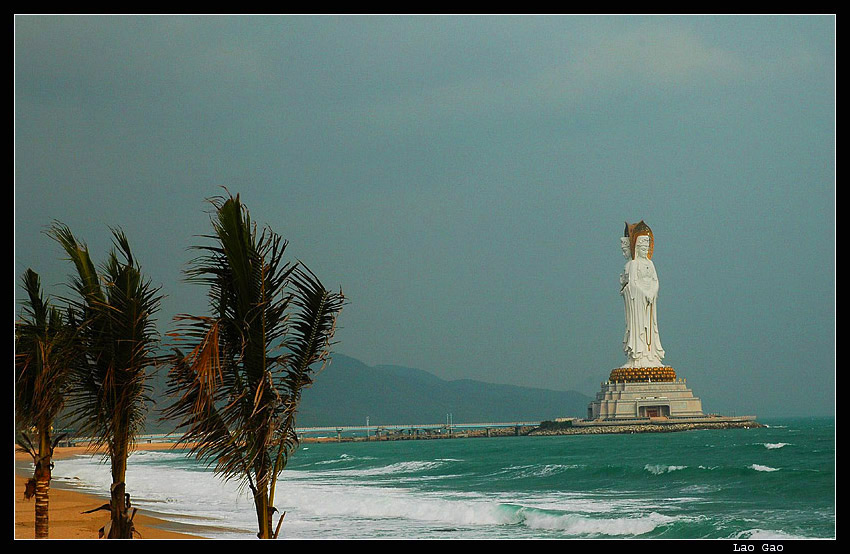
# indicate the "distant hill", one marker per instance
pixel 348 391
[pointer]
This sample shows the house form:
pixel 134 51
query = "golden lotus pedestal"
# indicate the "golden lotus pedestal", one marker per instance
pixel 644 393
pixel 642 374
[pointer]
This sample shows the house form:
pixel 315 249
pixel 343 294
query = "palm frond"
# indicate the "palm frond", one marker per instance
pixel 44 353
pixel 25 444
pixel 313 326
pixel 86 282
pixel 117 335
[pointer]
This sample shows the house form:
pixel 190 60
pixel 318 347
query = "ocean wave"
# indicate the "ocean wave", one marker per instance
pixel 658 469
pixel 775 445
pixel 759 467
pixel 584 503
pixel 398 467
pixel 766 534
pixel 425 478
pixel 535 470
pixel 550 469
pixel 374 503
pixel 580 525
pixel 699 489
pixel 166 486
pixel 393 505
pixel 339 459
pixel 157 455
pixel 343 458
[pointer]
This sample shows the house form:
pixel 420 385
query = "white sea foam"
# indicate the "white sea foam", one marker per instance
pixel 534 470
pixel 342 458
pixel 553 469
pixel 173 492
pixel 390 506
pixel 330 462
pixel 399 467
pixel 579 525
pixel 658 469
pixel 775 445
pixel 470 511
pixel 424 478
pixel 169 490
pixel 575 502
pixel 759 467
pixel 699 489
pixel 766 534
pixel 359 475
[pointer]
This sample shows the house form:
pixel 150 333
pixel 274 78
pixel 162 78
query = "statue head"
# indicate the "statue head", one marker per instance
pixel 626 245
pixel 642 246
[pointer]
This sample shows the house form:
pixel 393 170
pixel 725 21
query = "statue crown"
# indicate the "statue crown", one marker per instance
pixel 634 230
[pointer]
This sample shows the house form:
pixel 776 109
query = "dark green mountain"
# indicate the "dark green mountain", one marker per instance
pixel 348 391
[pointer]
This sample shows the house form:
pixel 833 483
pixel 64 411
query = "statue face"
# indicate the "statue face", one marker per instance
pixel 642 246
pixel 627 248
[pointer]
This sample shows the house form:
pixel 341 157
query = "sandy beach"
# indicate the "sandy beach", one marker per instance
pixel 66 506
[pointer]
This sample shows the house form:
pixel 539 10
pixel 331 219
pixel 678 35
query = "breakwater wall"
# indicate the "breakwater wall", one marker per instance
pixel 631 428
pixel 425 435
pixel 549 428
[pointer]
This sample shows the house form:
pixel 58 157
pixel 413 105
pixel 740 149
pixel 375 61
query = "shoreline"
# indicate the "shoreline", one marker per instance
pixel 66 506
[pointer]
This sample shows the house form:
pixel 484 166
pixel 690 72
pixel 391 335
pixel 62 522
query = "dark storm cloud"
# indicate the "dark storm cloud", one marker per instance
pixel 466 179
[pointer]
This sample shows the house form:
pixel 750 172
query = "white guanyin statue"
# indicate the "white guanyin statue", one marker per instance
pixel 639 287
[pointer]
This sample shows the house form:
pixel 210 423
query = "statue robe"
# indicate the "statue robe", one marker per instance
pixel 641 342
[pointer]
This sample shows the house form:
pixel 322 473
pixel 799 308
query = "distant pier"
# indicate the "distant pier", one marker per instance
pixel 561 426
pixel 416 431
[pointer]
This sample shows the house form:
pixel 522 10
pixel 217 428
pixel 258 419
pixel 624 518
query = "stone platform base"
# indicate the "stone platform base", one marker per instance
pixel 638 400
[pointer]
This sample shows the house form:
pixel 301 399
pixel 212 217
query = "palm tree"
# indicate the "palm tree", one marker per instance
pixel 117 339
pixel 238 387
pixel 43 355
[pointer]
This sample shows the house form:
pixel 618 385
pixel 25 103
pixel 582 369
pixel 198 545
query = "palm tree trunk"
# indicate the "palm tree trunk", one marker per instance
pixel 264 516
pixel 42 486
pixel 121 522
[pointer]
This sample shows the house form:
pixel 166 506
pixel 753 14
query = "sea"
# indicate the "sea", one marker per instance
pixel 772 483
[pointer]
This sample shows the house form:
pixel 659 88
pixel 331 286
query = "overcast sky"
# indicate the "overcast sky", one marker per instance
pixel 465 180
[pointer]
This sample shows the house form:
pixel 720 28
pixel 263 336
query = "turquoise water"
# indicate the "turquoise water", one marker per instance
pixel 770 483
